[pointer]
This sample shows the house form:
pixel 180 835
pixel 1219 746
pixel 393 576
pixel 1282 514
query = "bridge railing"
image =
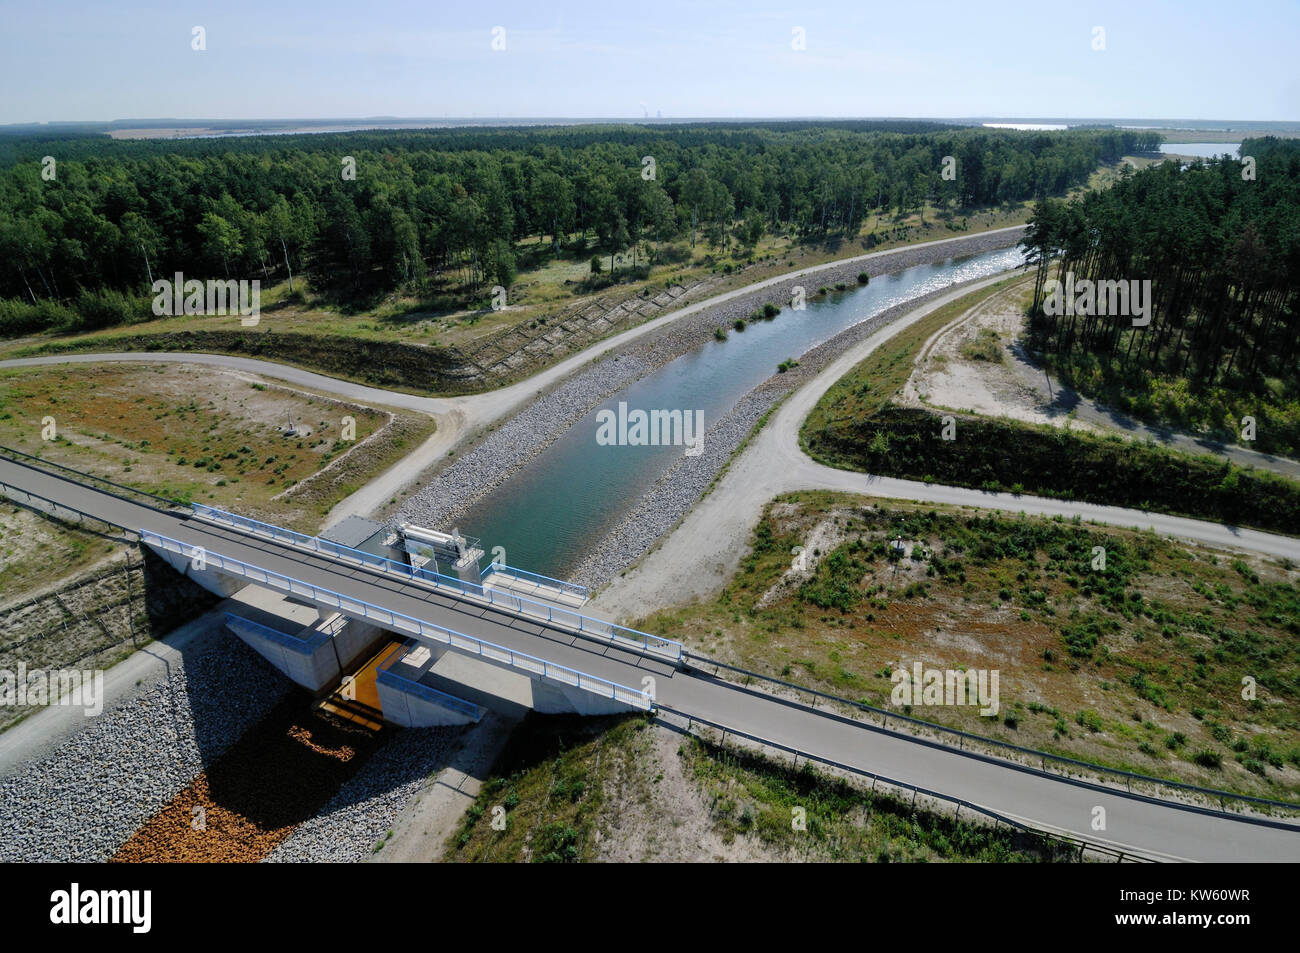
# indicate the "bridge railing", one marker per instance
pixel 384 674
pixel 52 507
pixel 537 579
pixel 691 724
pixel 39 463
pixel 399 622
pixel 521 605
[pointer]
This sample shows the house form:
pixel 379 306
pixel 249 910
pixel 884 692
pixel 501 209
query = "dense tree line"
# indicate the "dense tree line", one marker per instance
pixel 1221 247
pixel 440 209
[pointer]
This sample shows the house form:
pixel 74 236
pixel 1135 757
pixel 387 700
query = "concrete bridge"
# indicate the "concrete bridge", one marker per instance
pixel 572 662
pixel 604 669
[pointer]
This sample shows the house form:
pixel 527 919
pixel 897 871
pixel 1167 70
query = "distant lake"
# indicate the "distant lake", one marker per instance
pixel 1206 150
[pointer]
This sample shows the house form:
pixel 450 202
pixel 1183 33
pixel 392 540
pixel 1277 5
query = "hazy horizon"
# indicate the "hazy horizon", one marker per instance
pixel 69 61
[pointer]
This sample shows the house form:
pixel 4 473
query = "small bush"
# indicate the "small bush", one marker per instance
pixel 1208 759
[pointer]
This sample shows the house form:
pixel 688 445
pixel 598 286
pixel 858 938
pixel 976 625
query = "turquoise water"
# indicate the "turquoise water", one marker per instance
pixel 548 515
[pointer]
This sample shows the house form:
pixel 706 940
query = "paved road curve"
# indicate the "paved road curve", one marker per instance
pixel 1152 827
pixel 703 552
pixel 462 417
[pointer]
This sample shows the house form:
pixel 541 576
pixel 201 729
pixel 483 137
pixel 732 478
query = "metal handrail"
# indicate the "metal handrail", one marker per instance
pixel 522 605
pixel 692 720
pixel 534 577
pixel 400 622
pixel 8 489
pixel 89 476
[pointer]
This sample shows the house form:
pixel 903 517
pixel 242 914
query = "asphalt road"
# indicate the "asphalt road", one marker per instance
pixel 1135 823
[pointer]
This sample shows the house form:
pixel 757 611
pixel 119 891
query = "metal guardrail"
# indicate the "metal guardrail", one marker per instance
pixel 665 714
pixel 385 675
pixel 537 579
pixel 13 492
pixel 521 605
pixel 293 643
pixel 963 736
pixel 38 463
pixel 400 622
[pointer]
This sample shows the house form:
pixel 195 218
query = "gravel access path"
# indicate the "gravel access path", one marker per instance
pixel 504 451
pixel 704 550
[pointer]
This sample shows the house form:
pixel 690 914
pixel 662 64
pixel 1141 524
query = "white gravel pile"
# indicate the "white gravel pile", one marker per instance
pixel 82 801
pixel 364 809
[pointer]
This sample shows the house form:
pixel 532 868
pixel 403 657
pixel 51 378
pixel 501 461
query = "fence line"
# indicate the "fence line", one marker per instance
pixel 88 476
pixel 963 736
pixel 11 491
pixel 521 605
pixel 398 621
pixel 998 819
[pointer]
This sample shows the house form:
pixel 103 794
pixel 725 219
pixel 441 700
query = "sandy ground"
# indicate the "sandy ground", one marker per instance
pixel 943 377
pixel 458 418
pixel 1018 388
pixel 701 554
pixel 659 813
pixel 435 812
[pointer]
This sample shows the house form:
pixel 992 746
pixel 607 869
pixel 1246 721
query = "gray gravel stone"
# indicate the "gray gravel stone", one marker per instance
pixel 86 798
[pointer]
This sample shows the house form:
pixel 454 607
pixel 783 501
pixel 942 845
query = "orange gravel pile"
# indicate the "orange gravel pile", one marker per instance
pixel 282 772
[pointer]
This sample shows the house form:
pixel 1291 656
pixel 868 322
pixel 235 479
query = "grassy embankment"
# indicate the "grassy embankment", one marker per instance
pixel 1138 664
pixel 855 426
pixel 563 783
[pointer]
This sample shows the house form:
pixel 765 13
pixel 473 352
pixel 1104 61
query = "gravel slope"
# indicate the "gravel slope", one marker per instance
pixel 88 795
pixel 506 450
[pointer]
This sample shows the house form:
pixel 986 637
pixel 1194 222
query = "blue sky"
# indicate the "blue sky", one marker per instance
pixel 327 58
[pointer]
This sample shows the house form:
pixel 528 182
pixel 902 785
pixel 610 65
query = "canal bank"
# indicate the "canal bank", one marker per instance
pixel 542 489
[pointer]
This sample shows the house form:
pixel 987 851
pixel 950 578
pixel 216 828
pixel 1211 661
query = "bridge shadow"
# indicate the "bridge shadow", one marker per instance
pixel 270 759
pixel 273 760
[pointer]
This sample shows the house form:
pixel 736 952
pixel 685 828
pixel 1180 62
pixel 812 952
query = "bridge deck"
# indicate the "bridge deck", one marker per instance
pixel 1045 801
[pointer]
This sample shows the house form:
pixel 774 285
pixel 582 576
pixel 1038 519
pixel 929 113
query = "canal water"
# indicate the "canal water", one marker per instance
pixel 548 515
